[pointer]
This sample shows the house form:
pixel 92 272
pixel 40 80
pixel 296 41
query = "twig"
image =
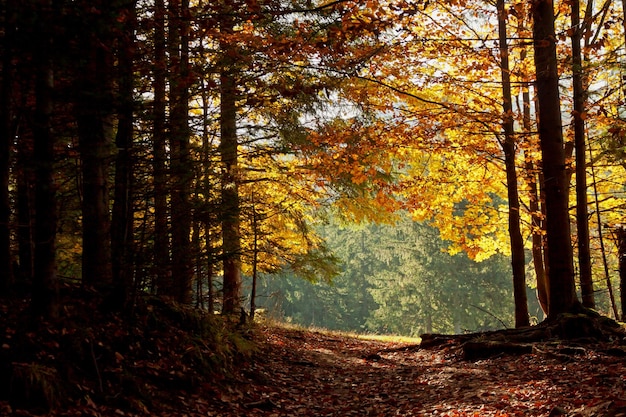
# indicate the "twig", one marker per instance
pixel 492 315
pixel 95 365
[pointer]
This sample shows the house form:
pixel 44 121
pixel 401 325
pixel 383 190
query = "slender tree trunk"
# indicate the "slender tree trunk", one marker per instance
pixel 537 241
pixel 210 266
pixel 607 275
pixel 94 109
pixel 231 211
pixel 206 217
pixel 6 135
pixel 255 258
pixel 560 257
pixel 582 213
pixel 25 202
pixel 620 237
pixel 161 233
pixel 508 145
pixel 45 286
pixel 195 247
pixel 179 139
pixel 536 215
pixel 121 223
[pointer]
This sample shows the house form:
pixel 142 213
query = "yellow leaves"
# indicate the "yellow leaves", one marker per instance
pixel 460 199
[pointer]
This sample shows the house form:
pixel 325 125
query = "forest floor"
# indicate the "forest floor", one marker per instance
pixel 168 363
pixel 326 374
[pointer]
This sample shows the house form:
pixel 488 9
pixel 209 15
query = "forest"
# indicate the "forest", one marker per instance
pixel 380 166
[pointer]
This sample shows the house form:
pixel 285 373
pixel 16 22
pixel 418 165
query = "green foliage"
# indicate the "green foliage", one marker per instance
pixel 396 279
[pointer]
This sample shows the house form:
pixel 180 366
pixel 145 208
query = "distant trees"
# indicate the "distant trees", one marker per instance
pixel 396 279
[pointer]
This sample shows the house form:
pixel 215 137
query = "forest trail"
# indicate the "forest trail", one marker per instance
pixel 171 361
pixel 299 373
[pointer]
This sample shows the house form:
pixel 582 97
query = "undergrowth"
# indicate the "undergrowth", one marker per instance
pixel 101 360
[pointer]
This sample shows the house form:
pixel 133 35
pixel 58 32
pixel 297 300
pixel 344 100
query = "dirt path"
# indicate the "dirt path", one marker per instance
pixel 303 373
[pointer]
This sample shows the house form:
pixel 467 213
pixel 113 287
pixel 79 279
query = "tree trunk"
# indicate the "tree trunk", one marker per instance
pixel 161 233
pixel 518 262
pixel 560 257
pixel 537 224
pixel 620 234
pixel 582 212
pixel 607 275
pixel 94 109
pixel 195 247
pixel 535 200
pixel 210 266
pixel 6 138
pixel 179 140
pixel 121 223
pixel 25 202
pixel 255 258
pixel 45 287
pixel 231 239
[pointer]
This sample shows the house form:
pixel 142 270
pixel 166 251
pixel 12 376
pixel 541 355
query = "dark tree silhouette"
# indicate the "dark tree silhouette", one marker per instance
pixel 562 294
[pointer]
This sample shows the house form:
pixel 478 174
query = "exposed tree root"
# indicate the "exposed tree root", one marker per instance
pixel 577 329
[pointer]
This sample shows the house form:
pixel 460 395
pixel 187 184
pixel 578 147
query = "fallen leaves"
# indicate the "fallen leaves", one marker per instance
pixel 308 373
pixel 158 369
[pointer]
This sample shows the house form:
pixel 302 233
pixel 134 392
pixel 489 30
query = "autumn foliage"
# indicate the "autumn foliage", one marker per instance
pixel 178 149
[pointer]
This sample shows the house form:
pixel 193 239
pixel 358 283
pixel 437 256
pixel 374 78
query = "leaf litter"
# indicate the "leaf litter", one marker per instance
pixel 312 373
pixel 166 365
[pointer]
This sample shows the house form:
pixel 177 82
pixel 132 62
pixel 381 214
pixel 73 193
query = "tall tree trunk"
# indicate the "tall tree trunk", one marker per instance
pixel 620 237
pixel 25 202
pixel 6 135
pixel 210 266
pixel 559 257
pixel 195 247
pixel 582 212
pixel 518 262
pixel 207 217
pixel 231 211
pixel 607 275
pixel 94 109
pixel 255 258
pixel 532 181
pixel 121 223
pixel 181 171
pixel 45 286
pixel 161 232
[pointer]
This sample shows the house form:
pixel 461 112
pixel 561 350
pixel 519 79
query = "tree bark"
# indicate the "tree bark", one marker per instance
pixel 25 203
pixel 210 266
pixel 255 257
pixel 121 223
pixel 45 287
pixel 518 262
pixel 6 135
pixel 532 180
pixel 94 110
pixel 231 211
pixel 582 212
pixel 620 234
pixel 159 142
pixel 181 171
pixel 560 257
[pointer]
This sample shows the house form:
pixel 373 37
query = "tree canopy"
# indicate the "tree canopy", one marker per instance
pixel 181 147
